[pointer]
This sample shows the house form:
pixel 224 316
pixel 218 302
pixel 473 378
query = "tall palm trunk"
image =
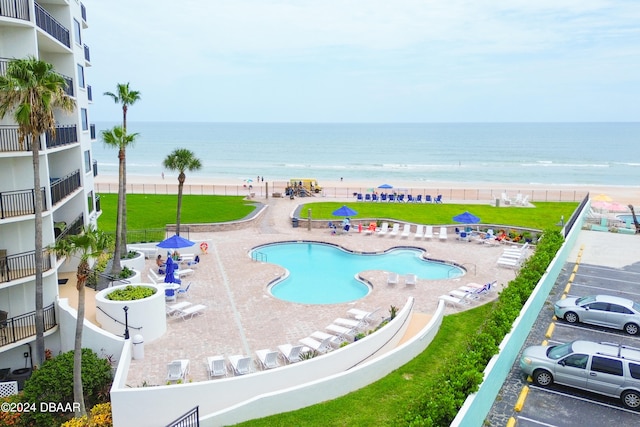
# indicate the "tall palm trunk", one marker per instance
pixel 78 392
pixel 116 266
pixel 181 179
pixel 35 150
pixel 123 213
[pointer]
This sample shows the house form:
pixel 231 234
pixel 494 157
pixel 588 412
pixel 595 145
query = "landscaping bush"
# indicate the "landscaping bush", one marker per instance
pixel 441 400
pixel 130 293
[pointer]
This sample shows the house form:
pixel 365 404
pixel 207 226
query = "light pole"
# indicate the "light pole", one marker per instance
pixel 126 322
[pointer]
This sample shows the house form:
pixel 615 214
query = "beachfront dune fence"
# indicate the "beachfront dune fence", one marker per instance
pixel 277 189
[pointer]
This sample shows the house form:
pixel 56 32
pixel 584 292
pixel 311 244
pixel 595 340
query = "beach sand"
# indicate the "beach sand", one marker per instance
pixel 451 190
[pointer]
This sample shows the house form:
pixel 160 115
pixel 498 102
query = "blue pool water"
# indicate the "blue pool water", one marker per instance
pixel 627 218
pixel 325 274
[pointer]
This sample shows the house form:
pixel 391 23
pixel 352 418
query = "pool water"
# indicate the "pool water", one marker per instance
pixel 325 274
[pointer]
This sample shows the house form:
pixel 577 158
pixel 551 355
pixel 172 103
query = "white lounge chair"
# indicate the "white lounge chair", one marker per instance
pixel 410 280
pixel 428 232
pixel 419 231
pixel 362 316
pixel 509 262
pixel 443 233
pixel 394 231
pixel 392 278
pixel 183 291
pixel 240 364
pixel 334 340
pixel 384 228
pixel 216 366
pixel 350 323
pixel 174 308
pixel 406 231
pixel 342 331
pixel 190 311
pixel 290 353
pixel 177 370
pixel 154 277
pixel 455 301
pixel 183 272
pixel 267 358
pixel 323 346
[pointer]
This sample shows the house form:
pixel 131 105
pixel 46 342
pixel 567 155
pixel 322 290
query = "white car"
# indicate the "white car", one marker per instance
pixel 602 310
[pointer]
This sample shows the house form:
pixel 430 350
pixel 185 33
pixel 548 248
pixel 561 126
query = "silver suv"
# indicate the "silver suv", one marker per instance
pixel 605 368
pixel 603 310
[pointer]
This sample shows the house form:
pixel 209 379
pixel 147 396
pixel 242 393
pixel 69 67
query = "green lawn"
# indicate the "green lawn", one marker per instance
pixel 381 403
pixel 156 211
pixel 544 215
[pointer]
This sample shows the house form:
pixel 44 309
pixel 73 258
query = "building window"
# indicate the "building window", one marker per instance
pixel 80 75
pixel 87 161
pixel 77 33
pixel 85 119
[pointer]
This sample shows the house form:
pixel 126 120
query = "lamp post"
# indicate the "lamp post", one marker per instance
pixel 126 322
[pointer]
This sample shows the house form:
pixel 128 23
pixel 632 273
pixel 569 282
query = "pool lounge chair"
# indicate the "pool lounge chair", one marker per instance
pixel 406 231
pixel 392 278
pixel 267 358
pixel 410 280
pixel 290 353
pixel 240 364
pixel 383 229
pixel 323 346
pixel 216 366
pixel 349 323
pixel 177 370
pixel 362 316
pixel 394 230
pixel 335 340
pixel 443 233
pixel 428 232
pixel 419 231
pixel 454 301
pixel 174 308
pixel 190 311
pixel 342 331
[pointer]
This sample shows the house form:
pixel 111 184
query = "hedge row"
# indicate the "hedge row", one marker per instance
pixel 442 399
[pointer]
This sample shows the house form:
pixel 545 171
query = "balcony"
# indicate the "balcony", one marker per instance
pixel 18 9
pixel 92 128
pixel 87 54
pixel 24 326
pixel 14 267
pixel 69 89
pixel 62 187
pixel 51 26
pixel 18 203
pixel 89 93
pixel 83 12
pixel 95 168
pixel 72 229
pixel 64 135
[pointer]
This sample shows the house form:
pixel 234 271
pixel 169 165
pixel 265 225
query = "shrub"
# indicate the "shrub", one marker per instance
pixel 131 293
pixel 53 382
pixel 100 416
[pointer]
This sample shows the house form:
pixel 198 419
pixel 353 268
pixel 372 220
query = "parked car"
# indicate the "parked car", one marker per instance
pixel 605 368
pixel 603 310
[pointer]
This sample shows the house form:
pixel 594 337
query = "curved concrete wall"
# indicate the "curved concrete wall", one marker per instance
pixel 231 400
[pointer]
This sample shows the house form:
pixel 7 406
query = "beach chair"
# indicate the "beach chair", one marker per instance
pixel 383 197
pixel 394 231
pixel 410 199
pixel 419 231
pixel 427 199
pixel 392 278
pixel 216 367
pixel 190 311
pixel 383 229
pixel 362 316
pixel 443 233
pixel 322 346
pixel 410 280
pixel 438 199
pixel 173 308
pixel 177 370
pixel 290 353
pixel 374 197
pixel 240 364
pixel 419 198
pixel 343 331
pixel 428 232
pixel 406 231
pixel 359 197
pixel 267 359
pixel 334 340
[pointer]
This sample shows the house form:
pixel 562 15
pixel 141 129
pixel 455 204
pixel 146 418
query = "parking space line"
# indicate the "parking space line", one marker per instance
pixel 536 422
pixel 607 333
pixel 584 399
pixel 608 278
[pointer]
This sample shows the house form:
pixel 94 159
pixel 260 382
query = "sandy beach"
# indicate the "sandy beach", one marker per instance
pixel 167 184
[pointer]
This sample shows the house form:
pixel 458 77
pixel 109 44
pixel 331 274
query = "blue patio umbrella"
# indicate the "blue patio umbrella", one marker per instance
pixel 466 218
pixel 345 211
pixel 385 186
pixel 175 242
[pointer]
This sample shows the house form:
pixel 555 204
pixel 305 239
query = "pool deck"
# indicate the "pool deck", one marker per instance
pixel 242 317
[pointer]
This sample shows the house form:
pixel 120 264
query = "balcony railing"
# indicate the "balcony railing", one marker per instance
pixel 18 203
pixel 14 267
pixel 24 326
pixel 92 128
pixel 98 208
pixel 69 88
pixel 3 65
pixel 67 134
pixel 72 229
pixel 83 12
pixel 95 168
pixel 18 9
pixel 87 55
pixel 62 187
pixel 89 93
pixel 51 26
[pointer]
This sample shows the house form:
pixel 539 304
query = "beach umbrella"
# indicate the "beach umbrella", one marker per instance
pixel 610 206
pixel 466 218
pixel 385 186
pixel 345 211
pixel 175 242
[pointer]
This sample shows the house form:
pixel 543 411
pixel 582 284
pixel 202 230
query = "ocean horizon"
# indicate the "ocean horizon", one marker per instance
pixel 526 153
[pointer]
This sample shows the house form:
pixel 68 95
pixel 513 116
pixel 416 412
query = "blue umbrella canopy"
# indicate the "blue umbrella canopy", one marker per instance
pixel 466 218
pixel 345 211
pixel 175 242
pixel 170 270
pixel 385 186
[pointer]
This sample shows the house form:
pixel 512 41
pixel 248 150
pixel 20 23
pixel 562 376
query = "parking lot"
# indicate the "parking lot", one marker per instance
pixel 618 275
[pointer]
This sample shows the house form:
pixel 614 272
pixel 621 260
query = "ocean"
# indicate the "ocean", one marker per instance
pixel 527 153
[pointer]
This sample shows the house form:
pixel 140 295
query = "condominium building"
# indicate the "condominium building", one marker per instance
pixel 52 31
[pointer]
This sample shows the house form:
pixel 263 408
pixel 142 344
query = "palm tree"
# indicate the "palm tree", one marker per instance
pixel 90 244
pixel 181 160
pixel 126 97
pixel 119 139
pixel 31 89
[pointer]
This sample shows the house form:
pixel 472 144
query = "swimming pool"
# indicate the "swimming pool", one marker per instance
pixel 321 273
pixel 626 218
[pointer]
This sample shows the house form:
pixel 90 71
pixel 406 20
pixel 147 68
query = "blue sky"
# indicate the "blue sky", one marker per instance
pixel 367 60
